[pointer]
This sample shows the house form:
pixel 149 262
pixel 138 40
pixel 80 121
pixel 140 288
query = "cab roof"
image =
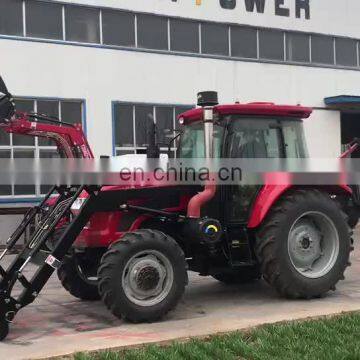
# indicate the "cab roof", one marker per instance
pixel 254 109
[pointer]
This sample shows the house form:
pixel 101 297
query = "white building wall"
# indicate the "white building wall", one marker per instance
pixel 101 76
pixel 327 16
pixel 322 132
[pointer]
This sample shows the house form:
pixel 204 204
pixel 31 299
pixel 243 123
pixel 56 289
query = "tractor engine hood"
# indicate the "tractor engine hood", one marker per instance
pixel 132 179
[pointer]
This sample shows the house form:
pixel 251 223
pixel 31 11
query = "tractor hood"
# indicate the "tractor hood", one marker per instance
pixel 136 173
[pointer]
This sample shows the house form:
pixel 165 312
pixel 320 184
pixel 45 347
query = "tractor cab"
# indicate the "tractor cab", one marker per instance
pixel 258 130
pixel 254 130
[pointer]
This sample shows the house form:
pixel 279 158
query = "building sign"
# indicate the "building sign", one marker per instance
pixel 281 7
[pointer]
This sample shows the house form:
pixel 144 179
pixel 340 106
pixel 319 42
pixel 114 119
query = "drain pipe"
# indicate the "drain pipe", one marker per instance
pixel 207 100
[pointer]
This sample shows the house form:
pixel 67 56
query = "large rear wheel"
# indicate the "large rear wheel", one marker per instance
pixel 304 245
pixel 142 276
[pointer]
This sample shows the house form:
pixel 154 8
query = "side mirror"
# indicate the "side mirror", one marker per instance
pixel 174 142
pixel 168 133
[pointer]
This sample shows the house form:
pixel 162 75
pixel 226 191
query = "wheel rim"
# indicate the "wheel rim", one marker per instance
pixel 147 278
pixel 88 276
pixel 313 244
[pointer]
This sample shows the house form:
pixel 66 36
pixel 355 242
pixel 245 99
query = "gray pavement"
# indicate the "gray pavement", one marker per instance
pixel 58 324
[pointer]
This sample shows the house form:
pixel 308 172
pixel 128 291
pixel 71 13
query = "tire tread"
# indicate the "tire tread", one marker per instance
pixel 110 261
pixel 265 247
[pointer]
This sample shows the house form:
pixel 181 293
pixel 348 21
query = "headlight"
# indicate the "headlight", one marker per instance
pixel 78 203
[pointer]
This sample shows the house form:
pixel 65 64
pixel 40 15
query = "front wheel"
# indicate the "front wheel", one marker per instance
pixel 142 276
pixel 79 277
pixel 304 245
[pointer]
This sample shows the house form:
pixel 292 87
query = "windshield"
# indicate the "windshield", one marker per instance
pixel 192 142
pixel 265 138
pixel 294 138
pixel 247 138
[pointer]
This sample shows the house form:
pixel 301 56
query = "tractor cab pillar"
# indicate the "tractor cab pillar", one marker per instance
pixel 207 100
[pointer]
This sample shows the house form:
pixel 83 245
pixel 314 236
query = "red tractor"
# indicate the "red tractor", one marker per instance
pixel 132 246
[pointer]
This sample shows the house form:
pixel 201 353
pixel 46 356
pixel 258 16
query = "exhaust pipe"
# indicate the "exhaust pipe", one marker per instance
pixel 207 100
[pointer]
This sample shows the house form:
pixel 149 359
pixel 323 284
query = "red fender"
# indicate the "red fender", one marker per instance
pixel 269 194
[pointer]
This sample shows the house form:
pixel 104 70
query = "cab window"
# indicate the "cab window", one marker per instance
pixel 254 138
pixel 192 142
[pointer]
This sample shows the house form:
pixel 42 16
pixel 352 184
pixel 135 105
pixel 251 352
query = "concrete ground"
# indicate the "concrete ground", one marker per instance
pixel 58 324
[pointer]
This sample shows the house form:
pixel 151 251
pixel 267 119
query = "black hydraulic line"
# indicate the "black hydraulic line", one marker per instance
pixel 143 209
pixel 13 239
pixel 57 218
pixel 32 287
pixel 53 120
pixel 67 239
pixel 11 274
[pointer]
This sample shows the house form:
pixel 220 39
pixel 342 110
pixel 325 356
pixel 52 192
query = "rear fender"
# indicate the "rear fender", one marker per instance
pixel 270 194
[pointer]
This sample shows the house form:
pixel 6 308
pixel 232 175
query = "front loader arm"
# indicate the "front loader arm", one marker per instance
pixel 70 139
pixel 351 147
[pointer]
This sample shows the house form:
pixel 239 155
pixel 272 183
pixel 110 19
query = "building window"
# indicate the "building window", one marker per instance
pixel 144 115
pixel 152 32
pixel 20 146
pixel 118 28
pixel 131 123
pixel 71 112
pixel 271 45
pixel 11 17
pixel 44 20
pixel 214 39
pixel 50 108
pixel 24 189
pixel 82 24
pixel 184 36
pixel 298 47
pixel 322 49
pixel 124 126
pixel 244 42
pixel 4 140
pixel 164 123
pixel 23 140
pixel 346 52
